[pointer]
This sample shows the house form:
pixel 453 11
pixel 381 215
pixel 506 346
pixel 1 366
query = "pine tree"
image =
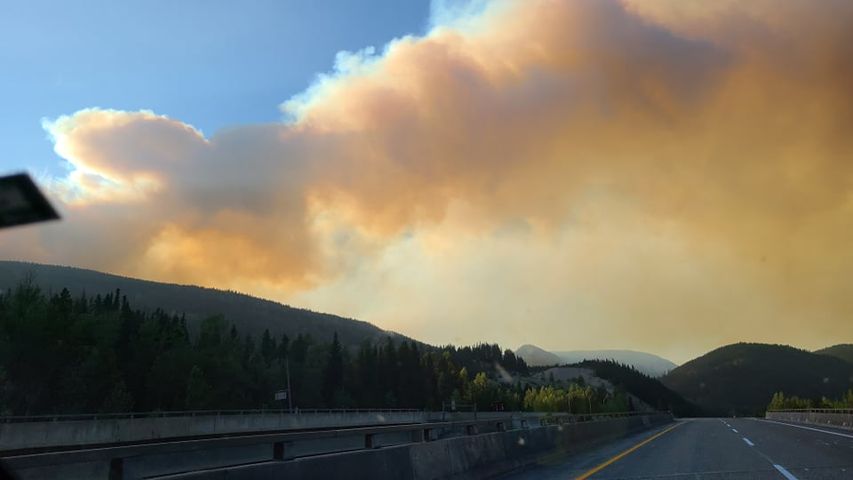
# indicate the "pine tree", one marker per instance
pixel 333 374
pixel 268 347
pixel 198 390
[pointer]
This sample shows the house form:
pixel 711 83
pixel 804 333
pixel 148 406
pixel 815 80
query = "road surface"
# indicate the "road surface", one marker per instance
pixel 715 448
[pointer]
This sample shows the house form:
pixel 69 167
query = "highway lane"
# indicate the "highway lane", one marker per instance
pixel 711 449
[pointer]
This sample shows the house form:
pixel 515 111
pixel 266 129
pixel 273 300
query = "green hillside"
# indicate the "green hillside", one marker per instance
pixel 741 378
pixel 647 389
pixel 98 353
pixel 843 351
pixel 250 314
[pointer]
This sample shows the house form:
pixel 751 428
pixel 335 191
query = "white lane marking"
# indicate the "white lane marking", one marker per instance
pixel 748 442
pixel 810 428
pixel 784 472
pixel 734 430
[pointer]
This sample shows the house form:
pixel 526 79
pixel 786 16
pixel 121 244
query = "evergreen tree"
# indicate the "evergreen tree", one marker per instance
pixel 96 354
pixel 333 374
pixel 198 390
pixel 268 347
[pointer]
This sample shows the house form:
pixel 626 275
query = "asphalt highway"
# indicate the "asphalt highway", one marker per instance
pixel 712 448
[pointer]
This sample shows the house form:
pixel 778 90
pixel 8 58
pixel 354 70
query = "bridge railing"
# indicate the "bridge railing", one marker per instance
pixel 194 413
pixel 811 410
pixel 563 418
pixel 551 417
pixel 131 461
pixel 835 417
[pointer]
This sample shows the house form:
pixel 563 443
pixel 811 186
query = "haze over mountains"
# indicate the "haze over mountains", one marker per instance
pixel 232 371
pixel 733 379
pixel 650 364
pixel 737 379
pixel 537 357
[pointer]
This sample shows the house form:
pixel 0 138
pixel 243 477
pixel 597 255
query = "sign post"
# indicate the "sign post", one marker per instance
pixel 289 397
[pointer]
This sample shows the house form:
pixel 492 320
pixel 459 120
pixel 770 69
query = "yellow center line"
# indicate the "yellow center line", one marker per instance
pixel 597 469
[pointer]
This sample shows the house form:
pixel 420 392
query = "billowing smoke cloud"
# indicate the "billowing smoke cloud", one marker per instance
pixel 579 173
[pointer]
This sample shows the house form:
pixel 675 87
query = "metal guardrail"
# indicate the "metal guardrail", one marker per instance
pixel 563 418
pixel 194 413
pixel 813 410
pixel 176 446
pixel 307 411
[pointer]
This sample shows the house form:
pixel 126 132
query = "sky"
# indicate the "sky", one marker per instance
pixel 660 175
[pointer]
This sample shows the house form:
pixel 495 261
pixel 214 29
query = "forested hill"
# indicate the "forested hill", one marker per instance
pixel 740 378
pixel 649 390
pixel 97 353
pixel 843 351
pixel 251 315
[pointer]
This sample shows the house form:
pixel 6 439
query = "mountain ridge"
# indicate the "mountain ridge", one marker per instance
pixel 647 363
pixel 537 357
pixel 250 314
pixel 843 351
pixel 741 378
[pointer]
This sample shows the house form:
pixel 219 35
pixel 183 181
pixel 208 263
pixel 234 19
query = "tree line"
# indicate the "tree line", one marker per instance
pixel 650 390
pixel 91 354
pixel 781 402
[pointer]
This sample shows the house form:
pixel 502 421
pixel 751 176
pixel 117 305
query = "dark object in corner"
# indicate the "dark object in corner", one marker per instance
pixel 21 202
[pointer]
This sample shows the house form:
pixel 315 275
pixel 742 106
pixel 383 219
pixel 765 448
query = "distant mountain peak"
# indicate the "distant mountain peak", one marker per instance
pixel 537 357
pixel 647 363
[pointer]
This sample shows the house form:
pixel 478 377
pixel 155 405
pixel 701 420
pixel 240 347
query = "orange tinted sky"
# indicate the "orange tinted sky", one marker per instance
pixel 666 176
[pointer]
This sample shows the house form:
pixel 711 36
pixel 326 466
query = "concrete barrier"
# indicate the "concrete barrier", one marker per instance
pixel 166 457
pixel 48 433
pixel 841 418
pixel 111 429
pixel 464 457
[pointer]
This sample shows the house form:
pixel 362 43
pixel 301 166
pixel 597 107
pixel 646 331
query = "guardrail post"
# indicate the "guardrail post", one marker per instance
pixel 368 440
pixel 116 469
pixel 501 426
pixel 523 423
pixel 470 429
pixel 278 451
